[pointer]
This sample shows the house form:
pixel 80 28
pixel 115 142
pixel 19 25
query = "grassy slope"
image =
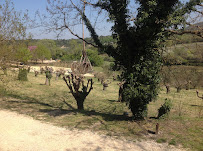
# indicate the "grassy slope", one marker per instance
pixel 104 115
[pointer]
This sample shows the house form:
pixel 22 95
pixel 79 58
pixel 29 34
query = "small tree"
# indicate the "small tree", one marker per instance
pixel 42 52
pixel 178 77
pixel 165 108
pixel 166 78
pixel 22 75
pixel 12 33
pixel 74 83
pixel 196 78
pixel 48 74
pixel 120 93
pixel 23 55
pixel 106 84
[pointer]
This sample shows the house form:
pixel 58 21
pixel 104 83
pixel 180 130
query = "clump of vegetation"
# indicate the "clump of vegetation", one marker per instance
pixel 161 140
pixel 2 91
pixel 165 108
pixel 94 57
pixel 48 74
pixel 22 75
pixel 172 142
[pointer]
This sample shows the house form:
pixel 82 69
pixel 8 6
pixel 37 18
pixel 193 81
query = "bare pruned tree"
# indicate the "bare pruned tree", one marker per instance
pixel 106 84
pixel 78 89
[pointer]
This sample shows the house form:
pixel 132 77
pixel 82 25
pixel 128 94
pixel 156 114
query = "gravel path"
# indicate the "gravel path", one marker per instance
pixel 22 133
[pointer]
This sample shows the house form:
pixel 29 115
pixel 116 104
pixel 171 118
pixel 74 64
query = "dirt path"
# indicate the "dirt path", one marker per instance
pixel 22 133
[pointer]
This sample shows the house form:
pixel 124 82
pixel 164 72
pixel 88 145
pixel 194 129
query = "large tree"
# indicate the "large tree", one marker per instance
pixel 12 32
pixel 41 52
pixel 138 38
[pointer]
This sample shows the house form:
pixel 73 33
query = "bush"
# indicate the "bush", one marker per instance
pixel 161 140
pixel 107 58
pixel 94 57
pixel 172 142
pixel 165 108
pixel 106 69
pixel 2 91
pixel 22 75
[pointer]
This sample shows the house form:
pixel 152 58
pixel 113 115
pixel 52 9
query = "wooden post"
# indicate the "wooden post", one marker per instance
pixel 83 36
pixel 157 128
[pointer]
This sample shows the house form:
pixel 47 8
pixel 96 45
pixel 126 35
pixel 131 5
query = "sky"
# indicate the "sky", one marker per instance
pixel 39 33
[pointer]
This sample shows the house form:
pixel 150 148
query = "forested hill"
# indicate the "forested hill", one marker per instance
pixel 187 38
pixel 196 26
pixel 66 42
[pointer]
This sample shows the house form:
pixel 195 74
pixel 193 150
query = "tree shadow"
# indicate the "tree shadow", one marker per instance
pixel 29 100
pixel 57 111
pixel 114 101
pixel 72 110
pixel 196 105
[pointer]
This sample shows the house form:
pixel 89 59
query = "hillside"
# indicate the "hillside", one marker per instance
pixel 197 26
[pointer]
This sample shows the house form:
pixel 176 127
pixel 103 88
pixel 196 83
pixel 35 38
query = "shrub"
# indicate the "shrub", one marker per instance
pixel 22 75
pixel 106 69
pixel 94 57
pixel 114 66
pixel 172 142
pixel 161 140
pixel 2 91
pixel 165 108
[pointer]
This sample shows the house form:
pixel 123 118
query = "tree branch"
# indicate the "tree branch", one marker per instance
pixel 69 85
pixel 199 12
pixel 88 3
pixel 91 87
pixel 200 5
pixel 198 95
pixel 198 33
pixel 89 27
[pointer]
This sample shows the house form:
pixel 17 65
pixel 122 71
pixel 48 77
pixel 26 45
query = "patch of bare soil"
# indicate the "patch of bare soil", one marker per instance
pixel 22 133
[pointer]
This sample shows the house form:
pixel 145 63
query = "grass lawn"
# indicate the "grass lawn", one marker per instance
pixel 56 105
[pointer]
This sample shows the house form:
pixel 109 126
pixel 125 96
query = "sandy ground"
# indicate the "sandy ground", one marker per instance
pixel 67 70
pixel 22 133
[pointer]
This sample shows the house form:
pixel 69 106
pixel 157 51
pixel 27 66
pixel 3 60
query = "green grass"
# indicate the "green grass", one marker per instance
pixel 161 140
pixel 104 114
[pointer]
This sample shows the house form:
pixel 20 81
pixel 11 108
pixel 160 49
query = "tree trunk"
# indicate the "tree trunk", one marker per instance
pixel 80 104
pixel 47 81
pixel 57 77
pixel 178 89
pixel 167 89
pixel 187 87
pixel 120 95
pixel 138 108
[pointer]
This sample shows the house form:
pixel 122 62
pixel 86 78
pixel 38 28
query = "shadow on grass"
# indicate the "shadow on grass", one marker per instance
pixel 196 105
pixel 72 110
pixel 57 111
pixel 114 101
pixel 29 100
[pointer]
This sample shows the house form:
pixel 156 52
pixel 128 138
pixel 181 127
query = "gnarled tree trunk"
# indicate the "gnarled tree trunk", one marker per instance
pixel 74 83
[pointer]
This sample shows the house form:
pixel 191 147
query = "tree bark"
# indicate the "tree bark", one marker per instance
pixel 178 89
pixel 80 104
pixel 47 81
pixel 167 89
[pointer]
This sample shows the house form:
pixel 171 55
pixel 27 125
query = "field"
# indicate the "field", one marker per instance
pixel 55 104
